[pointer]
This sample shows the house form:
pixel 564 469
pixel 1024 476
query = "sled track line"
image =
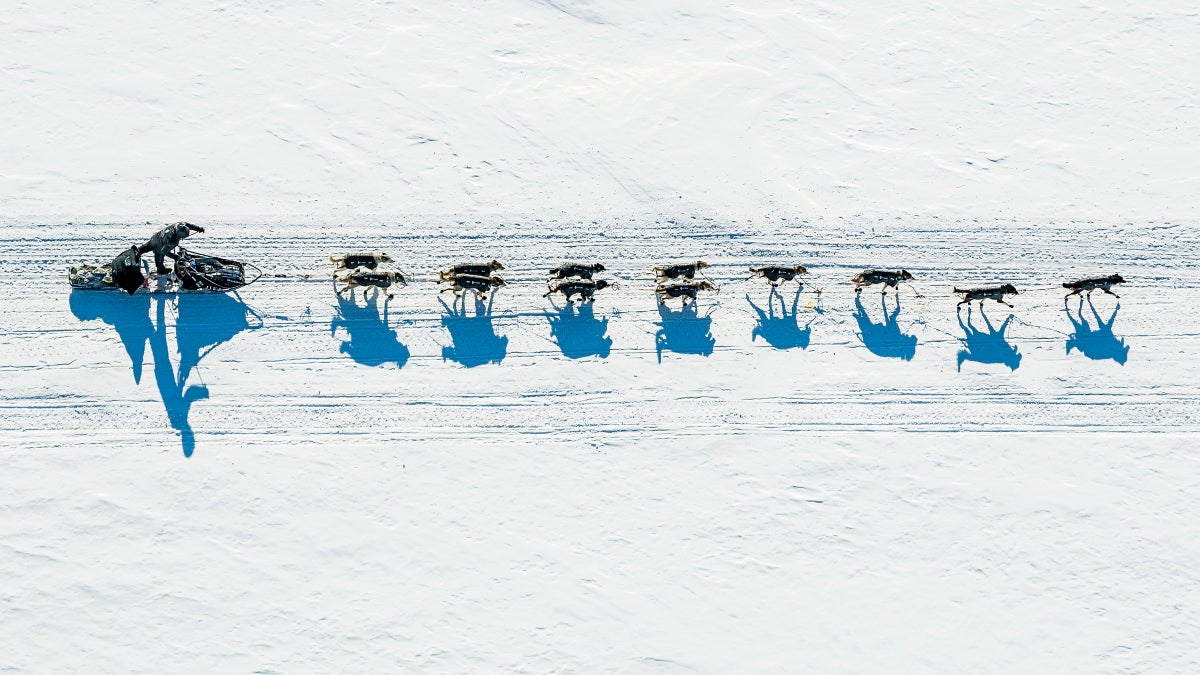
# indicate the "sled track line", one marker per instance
pixel 288 359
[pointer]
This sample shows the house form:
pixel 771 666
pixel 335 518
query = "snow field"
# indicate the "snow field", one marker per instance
pixel 468 496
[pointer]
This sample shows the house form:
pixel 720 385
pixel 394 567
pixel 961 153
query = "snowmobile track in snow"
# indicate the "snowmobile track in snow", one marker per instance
pixel 286 358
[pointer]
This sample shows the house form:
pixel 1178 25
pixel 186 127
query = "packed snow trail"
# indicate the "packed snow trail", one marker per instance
pixel 288 359
pixel 282 480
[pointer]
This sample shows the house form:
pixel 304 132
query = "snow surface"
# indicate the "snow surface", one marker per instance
pixel 196 110
pixel 282 481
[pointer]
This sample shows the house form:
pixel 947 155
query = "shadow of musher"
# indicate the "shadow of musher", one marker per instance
pixel 684 331
pixel 781 330
pixel 1097 343
pixel 370 341
pixel 884 339
pixel 990 346
pixel 578 332
pixel 474 338
pixel 202 322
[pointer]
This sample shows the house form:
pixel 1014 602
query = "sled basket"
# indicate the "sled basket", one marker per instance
pixel 202 272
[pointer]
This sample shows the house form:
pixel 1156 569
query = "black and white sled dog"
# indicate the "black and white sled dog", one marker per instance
pixel 1090 284
pixel 584 288
pixel 576 270
pixel 677 271
pixel 356 277
pixel 355 260
pixel 685 289
pixel 777 276
pixel 885 277
pixel 996 293
pixel 475 269
pixel 477 283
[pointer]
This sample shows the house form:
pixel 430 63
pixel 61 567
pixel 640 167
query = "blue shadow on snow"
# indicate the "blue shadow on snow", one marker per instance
pixel 578 332
pixel 370 340
pixel 1097 343
pixel 129 315
pixel 986 347
pixel 683 331
pixel 474 337
pixel 884 339
pixel 203 322
pixel 781 330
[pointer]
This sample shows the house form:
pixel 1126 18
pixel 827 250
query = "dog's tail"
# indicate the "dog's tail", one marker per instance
pixel 960 290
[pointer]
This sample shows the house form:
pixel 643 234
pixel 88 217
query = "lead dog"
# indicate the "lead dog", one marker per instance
pixel 477 283
pixel 1090 284
pixel 885 277
pixel 472 269
pixel 996 293
pixel 356 260
pixel 357 277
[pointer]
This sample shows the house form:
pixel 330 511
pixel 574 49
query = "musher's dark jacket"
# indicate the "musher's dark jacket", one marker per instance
pixel 165 241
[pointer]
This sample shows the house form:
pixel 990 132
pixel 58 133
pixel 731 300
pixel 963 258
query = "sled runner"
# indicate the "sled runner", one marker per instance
pixel 194 272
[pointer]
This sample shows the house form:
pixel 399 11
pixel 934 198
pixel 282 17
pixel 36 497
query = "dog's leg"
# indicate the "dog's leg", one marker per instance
pixel 1111 293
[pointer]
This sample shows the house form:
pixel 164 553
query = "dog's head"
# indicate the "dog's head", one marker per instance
pixel 904 274
pixel 383 257
pixel 700 264
pixel 800 269
pixel 598 267
pixel 497 281
pixel 603 284
pixel 706 285
pixel 1009 289
pixel 495 265
pixel 1116 279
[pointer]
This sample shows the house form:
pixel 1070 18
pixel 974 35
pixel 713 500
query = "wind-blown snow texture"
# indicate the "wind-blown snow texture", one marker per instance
pixel 519 107
pixel 620 489
pixel 282 481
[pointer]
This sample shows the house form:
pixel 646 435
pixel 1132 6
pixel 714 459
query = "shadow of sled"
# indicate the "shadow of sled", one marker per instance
pixel 578 332
pixel 474 337
pixel 370 340
pixel 986 347
pixel 684 331
pixel 1097 343
pixel 129 315
pixel 203 322
pixel 781 331
pixel 884 339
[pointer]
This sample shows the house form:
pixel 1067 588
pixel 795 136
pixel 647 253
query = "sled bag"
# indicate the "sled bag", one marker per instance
pixel 127 271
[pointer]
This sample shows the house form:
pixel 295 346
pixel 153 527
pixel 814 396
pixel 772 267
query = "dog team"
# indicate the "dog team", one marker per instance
pixel 576 280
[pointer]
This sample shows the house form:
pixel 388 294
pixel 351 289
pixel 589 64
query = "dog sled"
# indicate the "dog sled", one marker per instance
pixel 193 273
